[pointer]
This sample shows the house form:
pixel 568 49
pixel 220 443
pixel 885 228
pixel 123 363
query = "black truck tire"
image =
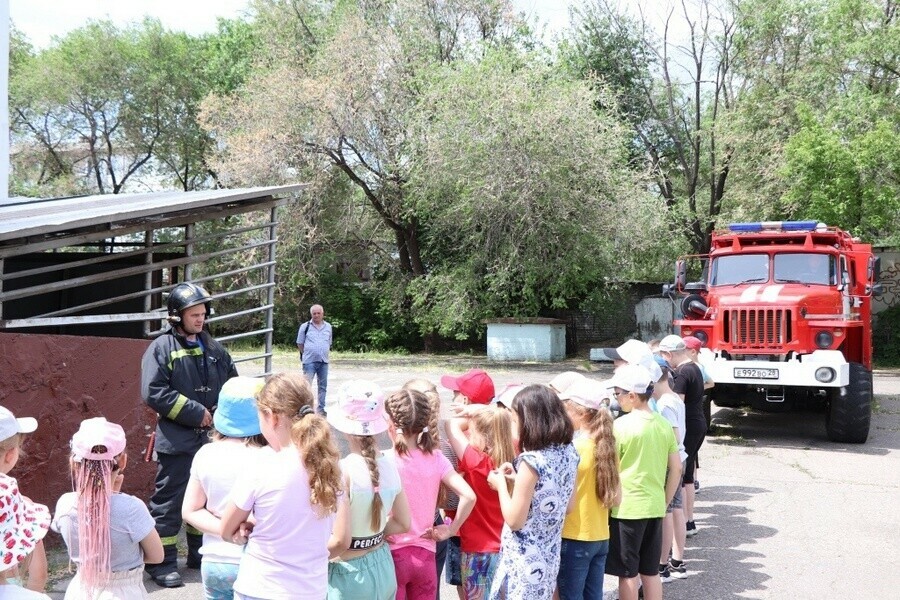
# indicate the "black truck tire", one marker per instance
pixel 850 408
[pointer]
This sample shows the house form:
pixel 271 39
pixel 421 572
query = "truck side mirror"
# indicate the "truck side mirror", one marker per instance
pixel 876 289
pixel 873 272
pixel 680 274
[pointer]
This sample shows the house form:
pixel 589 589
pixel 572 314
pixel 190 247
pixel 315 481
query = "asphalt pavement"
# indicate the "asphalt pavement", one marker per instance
pixel 782 512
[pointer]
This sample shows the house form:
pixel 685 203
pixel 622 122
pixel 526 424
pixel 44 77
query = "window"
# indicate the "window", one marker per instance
pixel 739 268
pixel 807 268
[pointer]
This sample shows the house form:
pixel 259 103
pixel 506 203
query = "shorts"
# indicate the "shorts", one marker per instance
pixel 218 579
pixel 692 445
pixel 676 502
pixel 478 569
pixel 122 585
pixel 634 547
pixel 367 577
pixel 454 567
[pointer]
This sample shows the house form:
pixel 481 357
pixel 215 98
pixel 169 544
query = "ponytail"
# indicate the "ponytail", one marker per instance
pixel 370 453
pixel 311 434
pixel 289 394
pixel 600 427
pixel 93 483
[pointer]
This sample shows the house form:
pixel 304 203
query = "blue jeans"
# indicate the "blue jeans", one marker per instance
pixel 319 370
pixel 582 565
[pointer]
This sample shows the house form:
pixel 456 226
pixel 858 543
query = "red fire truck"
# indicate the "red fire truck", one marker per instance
pixel 784 311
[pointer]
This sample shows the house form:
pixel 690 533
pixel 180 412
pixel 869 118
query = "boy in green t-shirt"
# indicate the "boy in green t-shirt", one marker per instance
pixel 650 469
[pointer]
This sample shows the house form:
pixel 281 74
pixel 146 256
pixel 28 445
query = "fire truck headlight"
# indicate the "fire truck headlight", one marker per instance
pixel 824 339
pixel 825 374
pixel 701 335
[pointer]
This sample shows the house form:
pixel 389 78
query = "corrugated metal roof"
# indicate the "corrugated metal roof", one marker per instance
pixel 42 217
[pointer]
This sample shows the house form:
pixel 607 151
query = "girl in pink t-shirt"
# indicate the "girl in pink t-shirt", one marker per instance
pixel 423 468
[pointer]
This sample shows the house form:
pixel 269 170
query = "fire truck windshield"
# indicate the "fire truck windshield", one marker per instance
pixel 739 268
pixel 808 268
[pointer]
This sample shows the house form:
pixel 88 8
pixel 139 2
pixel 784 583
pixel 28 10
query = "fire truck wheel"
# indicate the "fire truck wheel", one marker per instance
pixel 850 408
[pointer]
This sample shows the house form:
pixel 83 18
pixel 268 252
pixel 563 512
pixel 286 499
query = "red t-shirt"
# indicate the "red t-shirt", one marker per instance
pixel 481 531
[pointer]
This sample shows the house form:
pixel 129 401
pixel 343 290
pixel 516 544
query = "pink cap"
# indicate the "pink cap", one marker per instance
pixel 98 432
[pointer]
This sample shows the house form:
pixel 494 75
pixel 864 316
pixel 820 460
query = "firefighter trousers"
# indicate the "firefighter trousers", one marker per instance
pixel 172 474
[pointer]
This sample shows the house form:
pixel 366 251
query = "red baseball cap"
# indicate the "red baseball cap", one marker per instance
pixel 474 384
pixel 692 343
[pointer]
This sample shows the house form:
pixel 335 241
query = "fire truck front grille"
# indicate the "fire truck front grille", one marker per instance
pixel 764 328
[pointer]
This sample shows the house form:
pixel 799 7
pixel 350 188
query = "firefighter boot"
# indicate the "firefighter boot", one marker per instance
pixel 165 574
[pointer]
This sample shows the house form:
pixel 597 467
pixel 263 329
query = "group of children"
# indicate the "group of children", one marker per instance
pixel 522 494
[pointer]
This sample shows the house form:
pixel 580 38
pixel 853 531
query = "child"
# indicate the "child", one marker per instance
pixel 535 509
pixel 216 466
pixel 293 494
pixel 646 447
pixel 109 535
pixel 446 500
pixel 671 407
pixel 482 441
pixel 422 471
pixel 12 435
pixel 23 525
pixel 474 386
pixel 585 534
pixel 378 505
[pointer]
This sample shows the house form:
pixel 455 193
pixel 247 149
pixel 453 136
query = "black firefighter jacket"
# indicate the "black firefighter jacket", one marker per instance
pixel 179 382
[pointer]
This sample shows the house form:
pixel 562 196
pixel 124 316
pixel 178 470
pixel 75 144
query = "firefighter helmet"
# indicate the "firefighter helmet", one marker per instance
pixel 184 296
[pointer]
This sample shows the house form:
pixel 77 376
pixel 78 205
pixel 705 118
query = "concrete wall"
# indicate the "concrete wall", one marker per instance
pixel 61 380
pixel 890 278
pixel 530 342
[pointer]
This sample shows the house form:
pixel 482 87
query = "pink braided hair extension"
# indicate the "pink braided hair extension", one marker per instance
pixel 93 482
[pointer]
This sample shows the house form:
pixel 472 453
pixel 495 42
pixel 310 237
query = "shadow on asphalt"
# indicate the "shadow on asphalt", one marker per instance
pixel 717 567
pixel 805 429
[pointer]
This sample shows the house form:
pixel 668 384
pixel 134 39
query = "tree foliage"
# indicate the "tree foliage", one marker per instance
pixel 106 105
pixel 486 174
pixel 675 94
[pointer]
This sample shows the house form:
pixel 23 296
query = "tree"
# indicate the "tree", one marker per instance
pixel 366 91
pixel 524 187
pixel 675 96
pixel 105 106
pixel 824 86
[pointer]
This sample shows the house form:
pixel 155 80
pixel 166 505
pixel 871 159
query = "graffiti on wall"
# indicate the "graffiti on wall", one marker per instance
pixel 890 278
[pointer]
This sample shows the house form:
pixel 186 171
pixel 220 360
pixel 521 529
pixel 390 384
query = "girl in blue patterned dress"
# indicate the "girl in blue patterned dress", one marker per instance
pixel 543 481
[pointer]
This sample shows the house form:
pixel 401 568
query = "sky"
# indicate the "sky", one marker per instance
pixel 40 20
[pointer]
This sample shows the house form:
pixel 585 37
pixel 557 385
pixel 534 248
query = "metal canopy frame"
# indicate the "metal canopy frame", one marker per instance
pixel 143 225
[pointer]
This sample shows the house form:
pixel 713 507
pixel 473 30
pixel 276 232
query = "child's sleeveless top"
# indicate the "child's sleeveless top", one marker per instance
pixel 361 494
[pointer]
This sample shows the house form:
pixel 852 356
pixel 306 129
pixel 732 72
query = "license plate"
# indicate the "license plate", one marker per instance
pixel 742 373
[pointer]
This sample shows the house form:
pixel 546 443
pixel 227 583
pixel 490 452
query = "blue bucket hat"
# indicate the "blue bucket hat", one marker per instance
pixel 236 415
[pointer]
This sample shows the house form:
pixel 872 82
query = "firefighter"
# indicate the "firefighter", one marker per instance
pixel 181 374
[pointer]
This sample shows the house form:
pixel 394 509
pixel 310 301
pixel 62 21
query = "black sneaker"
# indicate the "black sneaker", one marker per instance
pixel 664 575
pixel 678 571
pixel 690 529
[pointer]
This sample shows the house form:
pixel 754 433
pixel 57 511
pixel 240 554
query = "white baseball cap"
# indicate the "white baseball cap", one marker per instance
pixel 672 343
pixel 10 425
pixel 631 378
pixel 589 393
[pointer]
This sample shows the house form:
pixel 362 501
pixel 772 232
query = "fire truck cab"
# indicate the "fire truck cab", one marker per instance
pixel 784 311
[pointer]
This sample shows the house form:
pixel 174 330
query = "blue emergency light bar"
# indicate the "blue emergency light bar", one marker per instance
pixel 773 226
